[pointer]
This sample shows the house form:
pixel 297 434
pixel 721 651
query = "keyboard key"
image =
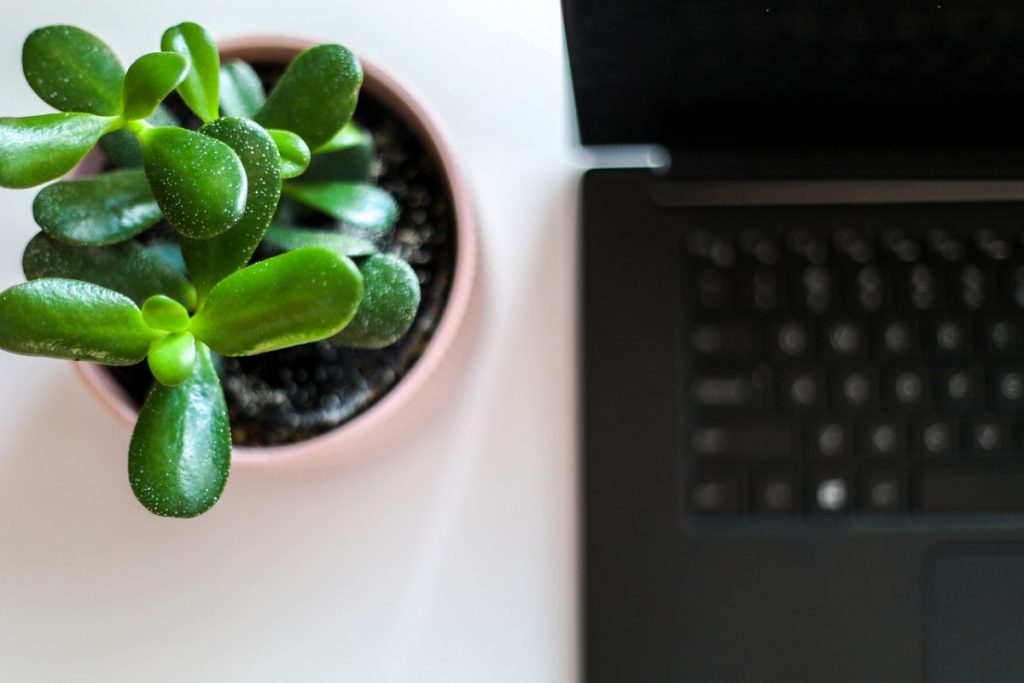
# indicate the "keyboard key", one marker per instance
pixel 830 491
pixel 776 493
pixel 935 437
pixel 716 493
pixel 799 388
pixel 987 437
pixel 790 339
pixel 958 388
pixel 905 388
pixel 882 437
pixel 852 390
pixel 1006 388
pixel 1003 336
pixel 827 439
pixel 753 438
pixel 730 390
pixel 883 490
pixel 950 337
pixel 969 489
pixel 899 337
pixel 846 338
pixel 727 339
pixel 713 289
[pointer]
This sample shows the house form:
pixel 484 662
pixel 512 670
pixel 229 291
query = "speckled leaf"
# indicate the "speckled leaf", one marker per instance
pixel 122 148
pixel 172 358
pixel 294 152
pixel 73 320
pixel 316 96
pixel 288 238
pixel 198 181
pixel 131 268
pixel 73 70
pixel 98 211
pixel 348 157
pixel 38 149
pixel 211 260
pixel 241 91
pixel 359 205
pixel 295 298
pixel 201 88
pixel 150 80
pixel 391 299
pixel 180 452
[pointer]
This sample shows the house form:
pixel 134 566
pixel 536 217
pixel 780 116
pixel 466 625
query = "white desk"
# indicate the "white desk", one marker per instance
pixel 449 558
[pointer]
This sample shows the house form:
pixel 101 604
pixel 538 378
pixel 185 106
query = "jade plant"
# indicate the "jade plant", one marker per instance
pixel 149 259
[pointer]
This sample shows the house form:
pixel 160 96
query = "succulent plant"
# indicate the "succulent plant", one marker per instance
pixel 99 293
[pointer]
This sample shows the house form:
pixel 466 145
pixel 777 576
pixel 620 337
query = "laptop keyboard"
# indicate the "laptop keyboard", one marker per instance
pixel 848 372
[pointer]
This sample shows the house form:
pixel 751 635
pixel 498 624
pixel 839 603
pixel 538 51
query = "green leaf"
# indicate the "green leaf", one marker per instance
pixel 295 298
pixel 352 135
pixel 294 152
pixel 73 70
pixel 391 299
pixel 349 157
pixel 123 149
pixel 73 320
pixel 164 313
pixel 170 253
pixel 98 211
pixel 360 205
pixel 288 238
pixel 316 96
pixel 38 149
pixel 130 268
pixel 211 260
pixel 150 80
pixel 172 358
pixel 241 90
pixel 180 453
pixel 201 89
pixel 198 181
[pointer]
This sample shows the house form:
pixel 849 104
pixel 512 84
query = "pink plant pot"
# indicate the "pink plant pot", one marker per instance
pixel 367 428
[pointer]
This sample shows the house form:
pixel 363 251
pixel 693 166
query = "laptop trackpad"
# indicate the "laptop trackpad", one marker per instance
pixel 974 615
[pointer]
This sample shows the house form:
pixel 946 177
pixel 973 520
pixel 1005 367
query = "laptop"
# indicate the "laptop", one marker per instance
pixel 803 341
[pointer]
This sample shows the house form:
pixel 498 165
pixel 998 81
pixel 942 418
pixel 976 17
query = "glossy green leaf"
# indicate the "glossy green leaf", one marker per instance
pixel 38 149
pixel 295 298
pixel 294 152
pixel 150 80
pixel 198 181
pixel 391 299
pixel 73 70
pixel 172 358
pixel 316 96
pixel 288 238
pixel 180 452
pixel 164 313
pixel 352 135
pixel 348 164
pixel 122 148
pixel 130 268
pixel 73 320
pixel 97 211
pixel 211 260
pixel 201 88
pixel 241 90
pixel 360 205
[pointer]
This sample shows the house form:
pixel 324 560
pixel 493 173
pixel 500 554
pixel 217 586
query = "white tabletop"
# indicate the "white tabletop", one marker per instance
pixel 449 556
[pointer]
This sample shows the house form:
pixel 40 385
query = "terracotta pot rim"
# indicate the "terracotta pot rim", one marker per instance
pixel 361 428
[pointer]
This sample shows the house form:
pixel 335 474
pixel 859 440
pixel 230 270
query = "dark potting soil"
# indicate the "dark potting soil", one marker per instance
pixel 295 394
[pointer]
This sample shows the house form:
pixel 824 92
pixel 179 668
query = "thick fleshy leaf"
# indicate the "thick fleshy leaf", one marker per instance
pixel 352 135
pixel 198 181
pixel 122 148
pixel 172 358
pixel 316 96
pixel 295 298
pixel 150 80
pixel 241 90
pixel 73 320
pixel 98 211
pixel 391 299
pixel 170 253
pixel 347 158
pixel 180 452
pixel 130 268
pixel 38 149
pixel 294 152
pixel 287 238
pixel 73 70
pixel 211 260
pixel 359 205
pixel 201 89
pixel 164 313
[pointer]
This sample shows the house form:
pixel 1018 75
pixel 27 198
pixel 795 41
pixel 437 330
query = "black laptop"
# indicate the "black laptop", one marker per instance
pixel 803 341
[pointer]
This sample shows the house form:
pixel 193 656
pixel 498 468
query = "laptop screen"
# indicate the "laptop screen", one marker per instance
pixel 737 72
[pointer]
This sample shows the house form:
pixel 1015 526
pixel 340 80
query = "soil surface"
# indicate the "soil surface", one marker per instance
pixel 295 394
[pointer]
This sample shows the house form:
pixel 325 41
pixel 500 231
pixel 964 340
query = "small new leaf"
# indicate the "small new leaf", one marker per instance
pixel 172 358
pixel 295 154
pixel 180 452
pixel 295 298
pixel 97 211
pixel 348 157
pixel 288 238
pixel 201 88
pixel 73 70
pixel 391 299
pixel 360 205
pixel 165 314
pixel 150 80
pixel 38 149
pixel 241 90
pixel 73 320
